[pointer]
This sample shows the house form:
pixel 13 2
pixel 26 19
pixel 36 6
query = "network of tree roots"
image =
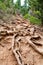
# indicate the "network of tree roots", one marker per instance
pixel 21 43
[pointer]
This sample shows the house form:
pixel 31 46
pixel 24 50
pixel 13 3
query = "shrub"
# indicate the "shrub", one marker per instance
pixel 2 6
pixel 33 19
pixel 27 16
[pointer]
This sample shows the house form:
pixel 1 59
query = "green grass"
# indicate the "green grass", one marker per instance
pixel 32 19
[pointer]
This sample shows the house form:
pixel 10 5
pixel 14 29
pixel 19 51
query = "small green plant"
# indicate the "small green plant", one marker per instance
pixel 27 16
pixel 33 19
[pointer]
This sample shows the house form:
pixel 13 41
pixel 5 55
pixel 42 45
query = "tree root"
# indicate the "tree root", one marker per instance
pixel 34 46
pixel 16 52
pixel 18 57
pixel 5 25
pixel 16 46
pixel 5 33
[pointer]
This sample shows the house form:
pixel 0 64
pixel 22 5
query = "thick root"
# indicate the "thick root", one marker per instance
pixel 17 52
pixel 34 46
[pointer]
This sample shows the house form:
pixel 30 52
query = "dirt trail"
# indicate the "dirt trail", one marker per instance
pixel 20 42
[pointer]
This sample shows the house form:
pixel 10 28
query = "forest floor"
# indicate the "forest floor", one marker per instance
pixel 27 40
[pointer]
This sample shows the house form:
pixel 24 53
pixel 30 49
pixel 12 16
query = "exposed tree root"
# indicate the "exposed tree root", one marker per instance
pixel 16 52
pixel 16 47
pixel 22 32
pixel 6 26
pixel 6 33
pixel 34 46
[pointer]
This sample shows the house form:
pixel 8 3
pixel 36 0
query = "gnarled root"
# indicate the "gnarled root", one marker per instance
pixel 34 46
pixel 4 33
pixel 16 52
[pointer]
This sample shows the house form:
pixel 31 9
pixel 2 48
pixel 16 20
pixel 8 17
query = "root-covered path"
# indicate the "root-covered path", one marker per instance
pixel 20 43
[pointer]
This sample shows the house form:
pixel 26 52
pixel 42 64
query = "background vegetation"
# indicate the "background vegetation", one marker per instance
pixel 32 9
